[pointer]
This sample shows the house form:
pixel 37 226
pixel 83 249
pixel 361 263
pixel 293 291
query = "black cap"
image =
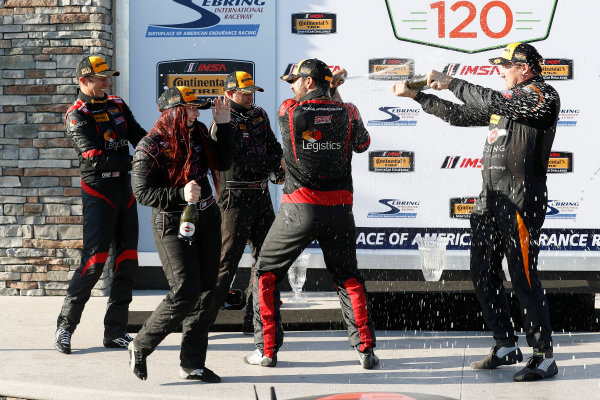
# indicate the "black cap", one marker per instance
pixel 94 66
pixel 313 67
pixel 242 81
pixel 520 53
pixel 180 96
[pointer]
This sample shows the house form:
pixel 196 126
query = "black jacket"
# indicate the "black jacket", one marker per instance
pixel 151 165
pixel 522 124
pixel 319 136
pixel 257 152
pixel 101 131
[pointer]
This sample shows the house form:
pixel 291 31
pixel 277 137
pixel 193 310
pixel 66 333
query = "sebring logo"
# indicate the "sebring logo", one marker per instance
pixel 397 209
pixel 208 21
pixel 397 117
pixel 562 209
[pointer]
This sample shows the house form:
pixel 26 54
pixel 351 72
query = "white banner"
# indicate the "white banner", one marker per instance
pixel 420 176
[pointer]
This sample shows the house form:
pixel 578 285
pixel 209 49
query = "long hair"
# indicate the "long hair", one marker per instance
pixel 172 126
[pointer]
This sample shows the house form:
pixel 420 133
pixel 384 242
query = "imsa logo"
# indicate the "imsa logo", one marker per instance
pixel 560 162
pixel 461 207
pixel 451 162
pixel 313 23
pixel 391 161
pixel 456 69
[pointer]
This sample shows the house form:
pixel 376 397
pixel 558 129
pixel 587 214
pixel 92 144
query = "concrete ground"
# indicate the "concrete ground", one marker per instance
pixel 310 363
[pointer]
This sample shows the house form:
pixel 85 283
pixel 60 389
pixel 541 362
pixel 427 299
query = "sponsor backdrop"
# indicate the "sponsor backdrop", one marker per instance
pixel 420 176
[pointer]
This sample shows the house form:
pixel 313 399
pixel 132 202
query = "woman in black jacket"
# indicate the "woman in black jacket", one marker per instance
pixel 170 168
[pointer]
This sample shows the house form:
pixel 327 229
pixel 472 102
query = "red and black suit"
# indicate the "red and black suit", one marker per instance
pixel 190 268
pixel 508 216
pixel 244 198
pixel 319 136
pixel 101 131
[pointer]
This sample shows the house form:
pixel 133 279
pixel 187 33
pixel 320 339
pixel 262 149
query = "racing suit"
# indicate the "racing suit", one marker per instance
pixel 190 268
pixel 319 136
pixel 101 130
pixel 508 215
pixel 244 198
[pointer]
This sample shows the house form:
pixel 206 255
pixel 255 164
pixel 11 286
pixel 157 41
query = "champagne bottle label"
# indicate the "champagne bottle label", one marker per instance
pixel 187 222
pixel 187 229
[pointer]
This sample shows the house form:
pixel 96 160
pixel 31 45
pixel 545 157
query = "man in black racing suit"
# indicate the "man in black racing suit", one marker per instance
pixel 508 216
pixel 244 199
pixel 101 128
pixel 319 135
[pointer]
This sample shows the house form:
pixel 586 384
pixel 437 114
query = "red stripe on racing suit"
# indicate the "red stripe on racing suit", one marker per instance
pixel 126 255
pixel 95 193
pixel 323 198
pixel 98 258
pixel 358 300
pixel 266 286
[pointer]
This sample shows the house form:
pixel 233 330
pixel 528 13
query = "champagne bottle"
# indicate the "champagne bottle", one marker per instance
pixel 187 222
pixel 417 82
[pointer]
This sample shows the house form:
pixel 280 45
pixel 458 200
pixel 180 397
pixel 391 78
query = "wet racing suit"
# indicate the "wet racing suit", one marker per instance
pixel 319 136
pixel 190 268
pixel 101 130
pixel 508 216
pixel 244 198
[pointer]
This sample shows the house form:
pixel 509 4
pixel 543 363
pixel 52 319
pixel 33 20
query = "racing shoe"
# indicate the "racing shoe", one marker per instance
pixel 257 358
pixel 62 340
pixel 120 342
pixel 137 362
pixel 540 366
pixel 199 374
pixel 499 355
pixel 367 358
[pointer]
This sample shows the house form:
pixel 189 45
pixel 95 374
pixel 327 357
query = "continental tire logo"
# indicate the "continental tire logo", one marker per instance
pixel 391 161
pixel 204 76
pixel 461 207
pixel 394 69
pixel 560 162
pixel 313 23
pixel 557 69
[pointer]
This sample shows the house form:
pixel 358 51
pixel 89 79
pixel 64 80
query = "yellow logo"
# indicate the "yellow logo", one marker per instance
pixel 391 162
pixel 463 209
pixel 101 117
pixel 314 24
pixel 98 64
pixel 201 85
pixel 555 163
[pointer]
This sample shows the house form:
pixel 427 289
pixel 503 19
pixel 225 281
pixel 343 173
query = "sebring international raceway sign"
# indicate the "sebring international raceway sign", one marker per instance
pixel 212 18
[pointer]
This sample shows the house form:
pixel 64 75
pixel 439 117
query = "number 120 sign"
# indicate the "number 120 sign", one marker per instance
pixel 471 26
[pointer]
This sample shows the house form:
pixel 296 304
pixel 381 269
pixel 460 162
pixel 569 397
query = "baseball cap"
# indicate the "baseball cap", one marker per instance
pixel 312 67
pixel 180 96
pixel 242 81
pixel 94 66
pixel 520 53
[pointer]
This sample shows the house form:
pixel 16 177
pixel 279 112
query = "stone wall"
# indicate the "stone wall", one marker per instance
pixel 41 42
